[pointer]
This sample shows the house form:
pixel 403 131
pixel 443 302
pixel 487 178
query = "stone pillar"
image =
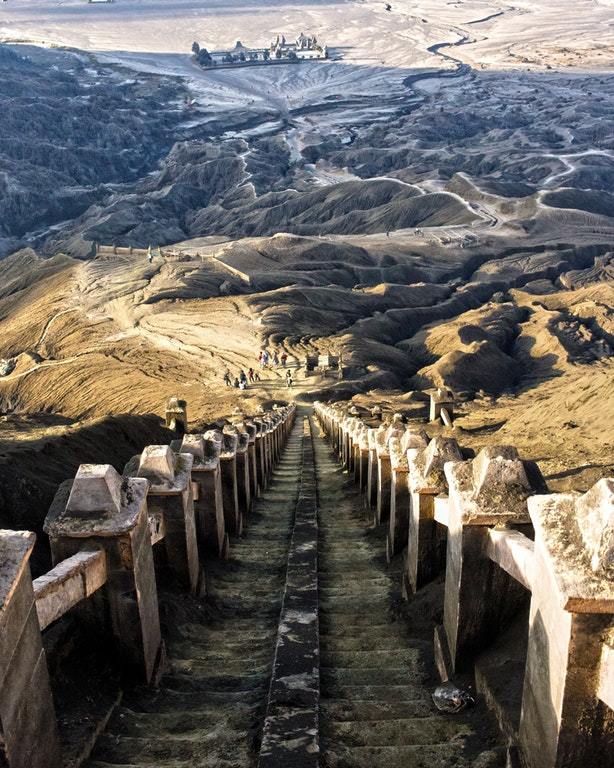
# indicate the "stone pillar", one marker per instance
pixel 384 467
pixel 572 607
pixel 28 729
pixel 372 469
pixel 177 415
pixel 363 460
pixel 336 434
pixel 208 501
pixel 268 448
pixel 101 510
pixel 261 454
pixel 357 430
pixel 480 597
pixel 426 540
pixel 244 489
pixel 248 429
pixel 277 431
pixel 171 503
pixel 384 481
pixel 440 399
pixel 230 493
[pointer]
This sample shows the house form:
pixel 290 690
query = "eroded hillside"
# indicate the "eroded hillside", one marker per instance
pixel 438 224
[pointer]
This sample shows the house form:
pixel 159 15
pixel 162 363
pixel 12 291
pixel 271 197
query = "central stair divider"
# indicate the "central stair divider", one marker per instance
pixel 291 728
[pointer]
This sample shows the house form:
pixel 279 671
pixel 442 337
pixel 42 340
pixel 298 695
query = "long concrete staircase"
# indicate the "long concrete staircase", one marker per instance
pixel 376 656
pixel 376 661
pixel 210 705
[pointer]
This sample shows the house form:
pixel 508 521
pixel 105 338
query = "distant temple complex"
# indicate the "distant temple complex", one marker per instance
pixel 304 47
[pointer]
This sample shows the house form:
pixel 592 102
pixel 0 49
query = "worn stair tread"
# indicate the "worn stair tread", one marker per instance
pixel 357 710
pixel 415 756
pixel 396 659
pixel 430 729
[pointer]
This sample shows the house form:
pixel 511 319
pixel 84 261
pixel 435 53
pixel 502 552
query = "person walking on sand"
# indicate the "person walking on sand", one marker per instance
pixel 265 358
pixel 236 383
pixel 250 375
pixel 284 359
pixel 275 358
pixel 227 379
pixel 256 376
pixel 289 381
pixel 242 378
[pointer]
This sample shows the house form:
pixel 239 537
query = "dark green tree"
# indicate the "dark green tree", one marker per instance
pixel 195 48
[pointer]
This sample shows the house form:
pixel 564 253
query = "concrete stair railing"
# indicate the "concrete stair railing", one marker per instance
pixel 503 541
pixel 185 498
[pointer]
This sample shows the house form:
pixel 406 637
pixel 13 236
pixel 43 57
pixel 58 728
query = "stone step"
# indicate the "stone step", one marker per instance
pixel 335 617
pixel 380 692
pixel 381 642
pixel 180 721
pixel 415 756
pixel 334 625
pixel 164 748
pixel 342 676
pixel 354 710
pixel 432 729
pixel 384 659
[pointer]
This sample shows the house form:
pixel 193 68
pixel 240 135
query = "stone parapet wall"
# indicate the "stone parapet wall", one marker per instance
pixel 184 500
pixel 505 544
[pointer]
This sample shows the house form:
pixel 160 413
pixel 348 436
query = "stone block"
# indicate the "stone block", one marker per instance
pixel 130 590
pixel 595 516
pixel 195 445
pixel 157 464
pixel 95 490
pixel 28 730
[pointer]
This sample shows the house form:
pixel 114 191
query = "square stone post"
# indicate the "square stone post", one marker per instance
pixel 347 442
pixel 261 454
pixel 353 429
pixel 363 460
pixel 244 487
pixel 28 728
pixel 268 448
pixel 398 528
pixel 384 467
pixel 357 427
pixel 384 482
pixel 230 493
pixel 337 434
pixel 426 540
pixel 245 469
pixel 372 468
pixel 208 500
pixel 170 502
pixel 441 399
pixel 252 430
pixel 572 609
pixel 277 433
pixel 101 510
pixel 177 415
pixel 480 597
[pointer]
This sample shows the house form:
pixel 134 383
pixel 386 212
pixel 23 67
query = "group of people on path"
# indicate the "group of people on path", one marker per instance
pixel 265 358
pixel 240 381
pixel 252 376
